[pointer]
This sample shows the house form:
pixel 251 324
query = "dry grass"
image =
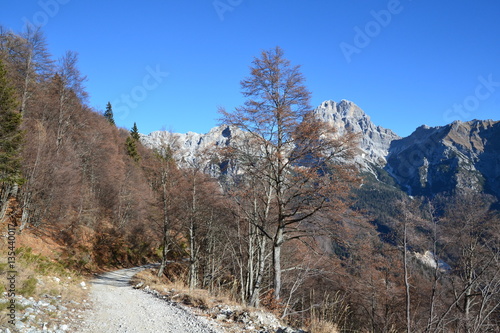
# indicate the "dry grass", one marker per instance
pixel 175 289
pixel 321 326
pixel 67 289
pixel 44 245
pixel 38 275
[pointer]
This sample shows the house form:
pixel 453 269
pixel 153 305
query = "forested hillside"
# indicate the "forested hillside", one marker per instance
pixel 80 183
pixel 298 229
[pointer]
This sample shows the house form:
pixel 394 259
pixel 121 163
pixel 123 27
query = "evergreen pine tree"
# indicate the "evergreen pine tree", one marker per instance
pixel 10 132
pixel 108 114
pixel 131 145
pixel 134 132
pixel 10 141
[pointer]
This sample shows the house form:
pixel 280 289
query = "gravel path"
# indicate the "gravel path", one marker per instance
pixel 119 308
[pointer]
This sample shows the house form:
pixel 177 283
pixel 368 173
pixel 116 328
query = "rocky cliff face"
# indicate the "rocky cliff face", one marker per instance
pixel 440 159
pixel 344 117
pixel 194 149
pixel 189 146
pixel 348 117
pixel 429 161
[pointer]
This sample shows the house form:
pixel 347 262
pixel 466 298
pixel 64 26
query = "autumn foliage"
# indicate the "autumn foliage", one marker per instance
pixel 285 231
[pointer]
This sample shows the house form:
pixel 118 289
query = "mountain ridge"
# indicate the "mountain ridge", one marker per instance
pixel 429 161
pixel 440 159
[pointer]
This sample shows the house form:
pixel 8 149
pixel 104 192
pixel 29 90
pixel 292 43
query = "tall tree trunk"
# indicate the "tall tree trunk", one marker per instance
pixel 406 277
pixel 261 261
pixel 60 121
pixel 249 287
pixel 435 277
pixel 26 204
pixel 209 260
pixel 27 79
pixel 5 193
pixel 193 257
pixel 165 250
pixel 468 297
pixel 262 243
pixel 166 226
pixel 193 260
pixel 278 242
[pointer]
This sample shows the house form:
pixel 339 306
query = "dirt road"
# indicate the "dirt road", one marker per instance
pixel 119 308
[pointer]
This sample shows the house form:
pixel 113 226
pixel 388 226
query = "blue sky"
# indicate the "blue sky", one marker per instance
pixel 169 64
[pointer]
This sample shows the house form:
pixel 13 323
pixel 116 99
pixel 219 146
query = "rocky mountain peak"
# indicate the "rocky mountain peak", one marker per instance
pixel 343 116
pixel 440 159
pixel 190 147
pixel 431 160
pixel 469 136
pixel 346 116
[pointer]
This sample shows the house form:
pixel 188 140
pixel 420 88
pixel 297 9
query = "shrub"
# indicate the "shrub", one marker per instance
pixel 28 287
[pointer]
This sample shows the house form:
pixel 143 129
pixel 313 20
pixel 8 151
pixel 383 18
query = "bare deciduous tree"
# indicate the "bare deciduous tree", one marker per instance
pixel 472 229
pixel 297 155
pixel 166 182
